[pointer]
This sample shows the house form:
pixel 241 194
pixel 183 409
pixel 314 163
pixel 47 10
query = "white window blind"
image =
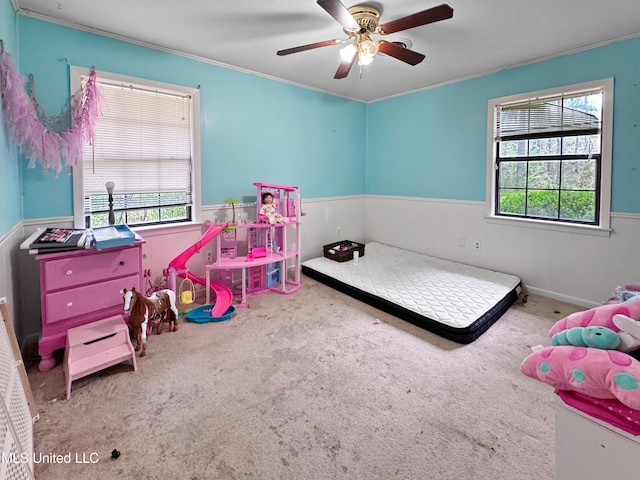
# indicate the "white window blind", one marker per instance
pixel 544 118
pixel 142 144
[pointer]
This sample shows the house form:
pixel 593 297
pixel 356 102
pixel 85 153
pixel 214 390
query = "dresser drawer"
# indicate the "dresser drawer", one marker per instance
pixel 78 270
pixel 88 299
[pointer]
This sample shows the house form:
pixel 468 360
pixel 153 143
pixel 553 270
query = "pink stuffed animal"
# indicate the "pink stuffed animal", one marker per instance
pixel 603 374
pixel 595 372
pixel 600 316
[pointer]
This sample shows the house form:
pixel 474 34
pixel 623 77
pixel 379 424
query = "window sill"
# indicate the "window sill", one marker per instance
pixel 544 225
pixel 157 230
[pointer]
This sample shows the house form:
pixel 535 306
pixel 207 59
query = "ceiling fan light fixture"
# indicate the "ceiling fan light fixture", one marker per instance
pixel 347 53
pixel 369 48
pixel 364 59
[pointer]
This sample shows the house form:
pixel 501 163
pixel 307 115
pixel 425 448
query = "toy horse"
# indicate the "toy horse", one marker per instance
pixel 145 313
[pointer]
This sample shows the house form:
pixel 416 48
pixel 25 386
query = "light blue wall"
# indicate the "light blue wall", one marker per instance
pixel 10 200
pixel 428 144
pixel 252 129
pixel 433 143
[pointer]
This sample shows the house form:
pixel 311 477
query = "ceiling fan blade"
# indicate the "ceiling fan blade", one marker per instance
pixel 401 53
pixel 337 10
pixel 310 46
pixel 431 15
pixel 345 67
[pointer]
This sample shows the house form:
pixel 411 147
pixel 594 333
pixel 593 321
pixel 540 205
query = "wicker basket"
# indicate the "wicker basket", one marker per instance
pixel 343 251
pixel 187 292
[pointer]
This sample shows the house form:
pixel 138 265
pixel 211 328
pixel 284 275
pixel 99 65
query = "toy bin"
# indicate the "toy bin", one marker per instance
pixel 343 251
pixel 113 236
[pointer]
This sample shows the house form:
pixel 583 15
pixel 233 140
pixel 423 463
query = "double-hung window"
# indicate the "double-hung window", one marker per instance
pixel 146 144
pixel 550 155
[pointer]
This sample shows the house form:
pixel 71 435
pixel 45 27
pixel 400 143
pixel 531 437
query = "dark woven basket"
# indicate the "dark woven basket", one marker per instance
pixel 343 251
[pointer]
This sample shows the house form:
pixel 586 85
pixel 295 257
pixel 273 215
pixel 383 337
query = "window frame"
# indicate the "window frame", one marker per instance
pixel 603 210
pixel 78 179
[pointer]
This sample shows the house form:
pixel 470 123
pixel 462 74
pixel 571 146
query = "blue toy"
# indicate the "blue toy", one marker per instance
pixel 596 337
pixel 203 314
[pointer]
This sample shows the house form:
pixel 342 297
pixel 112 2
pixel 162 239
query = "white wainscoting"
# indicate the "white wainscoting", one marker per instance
pixel 575 267
pixel 323 218
pixel 9 245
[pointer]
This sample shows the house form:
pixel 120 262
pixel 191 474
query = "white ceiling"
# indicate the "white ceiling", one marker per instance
pixel 483 36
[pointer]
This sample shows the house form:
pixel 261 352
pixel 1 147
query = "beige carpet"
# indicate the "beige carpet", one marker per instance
pixel 309 386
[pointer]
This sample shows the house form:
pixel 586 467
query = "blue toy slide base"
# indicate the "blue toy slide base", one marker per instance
pixel 203 314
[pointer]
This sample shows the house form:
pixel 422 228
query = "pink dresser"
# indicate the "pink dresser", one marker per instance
pixel 80 287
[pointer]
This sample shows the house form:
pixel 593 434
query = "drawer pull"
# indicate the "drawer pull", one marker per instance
pixel 121 263
pixel 69 272
pixel 69 304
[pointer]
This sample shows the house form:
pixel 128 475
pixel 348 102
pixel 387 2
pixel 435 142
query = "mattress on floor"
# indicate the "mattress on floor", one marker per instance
pixel 457 301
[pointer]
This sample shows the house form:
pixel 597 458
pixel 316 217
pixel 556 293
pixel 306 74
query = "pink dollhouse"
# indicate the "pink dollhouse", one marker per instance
pixel 273 250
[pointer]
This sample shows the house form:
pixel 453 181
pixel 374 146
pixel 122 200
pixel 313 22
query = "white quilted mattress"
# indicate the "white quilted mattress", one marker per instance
pixel 450 293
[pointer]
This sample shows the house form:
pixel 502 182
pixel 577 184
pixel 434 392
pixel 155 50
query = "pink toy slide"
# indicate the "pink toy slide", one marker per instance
pixel 224 296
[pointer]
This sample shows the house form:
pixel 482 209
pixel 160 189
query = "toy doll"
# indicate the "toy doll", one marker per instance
pixel 269 210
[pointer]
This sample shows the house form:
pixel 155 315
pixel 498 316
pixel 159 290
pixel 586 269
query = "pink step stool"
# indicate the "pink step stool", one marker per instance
pixel 96 346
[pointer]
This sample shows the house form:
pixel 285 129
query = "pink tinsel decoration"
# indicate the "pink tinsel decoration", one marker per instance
pixel 34 139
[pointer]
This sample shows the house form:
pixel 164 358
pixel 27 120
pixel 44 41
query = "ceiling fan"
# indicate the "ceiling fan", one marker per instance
pixel 360 22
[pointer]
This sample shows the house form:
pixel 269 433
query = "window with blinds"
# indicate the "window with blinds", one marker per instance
pixel 548 156
pixel 143 144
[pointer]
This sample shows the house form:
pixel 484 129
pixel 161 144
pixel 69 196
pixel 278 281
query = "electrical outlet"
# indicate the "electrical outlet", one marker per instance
pixel 476 245
pixel 209 255
pixel 337 231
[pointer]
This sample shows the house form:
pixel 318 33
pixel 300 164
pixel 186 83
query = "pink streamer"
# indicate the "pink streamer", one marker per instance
pixel 36 142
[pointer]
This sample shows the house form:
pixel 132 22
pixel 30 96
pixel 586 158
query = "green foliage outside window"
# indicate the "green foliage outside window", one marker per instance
pixel 139 209
pixel 574 205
